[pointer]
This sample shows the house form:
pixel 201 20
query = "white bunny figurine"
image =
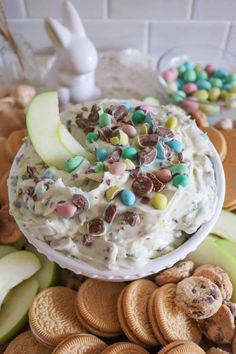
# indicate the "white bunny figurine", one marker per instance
pixel 73 72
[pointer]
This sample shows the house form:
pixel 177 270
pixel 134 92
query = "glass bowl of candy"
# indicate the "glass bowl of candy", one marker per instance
pixel 199 78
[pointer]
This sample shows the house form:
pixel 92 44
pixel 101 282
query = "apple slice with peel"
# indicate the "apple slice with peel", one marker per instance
pixel 211 251
pixel 14 311
pixel 49 273
pixel 226 226
pixel 5 249
pixel 15 268
pixel 42 122
pixel 72 145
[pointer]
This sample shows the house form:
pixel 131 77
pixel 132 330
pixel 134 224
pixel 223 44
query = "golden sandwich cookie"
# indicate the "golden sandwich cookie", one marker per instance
pixel 9 232
pixel 25 343
pixel 14 142
pixel 218 140
pixel 124 348
pixel 182 347
pixel 80 344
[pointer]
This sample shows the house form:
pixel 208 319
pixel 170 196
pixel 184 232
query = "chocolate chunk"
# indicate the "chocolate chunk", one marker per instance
pixel 105 133
pixel 148 139
pixel 147 156
pixel 131 218
pixel 96 227
pixel 157 184
pixel 85 109
pixel 31 173
pixel 142 186
pixel 110 213
pixel 145 200
pixel 114 156
pixel 80 202
pixel 83 123
pixel 120 112
pixel 180 157
pixel 167 133
pixel 136 172
pixel 93 115
pixel 87 240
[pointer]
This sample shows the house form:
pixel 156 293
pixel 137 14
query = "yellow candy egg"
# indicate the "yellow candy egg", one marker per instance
pixel 233 89
pixel 112 192
pixel 144 129
pixel 214 93
pixel 124 139
pixel 172 85
pixel 171 123
pixel 159 201
pixel 201 95
pixel 115 140
pixel 129 165
pixel 223 94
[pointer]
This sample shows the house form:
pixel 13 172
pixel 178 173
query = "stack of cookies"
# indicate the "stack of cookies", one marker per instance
pixel 223 136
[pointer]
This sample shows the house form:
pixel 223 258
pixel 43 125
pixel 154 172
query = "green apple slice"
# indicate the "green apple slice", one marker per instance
pixel 212 251
pixel 49 273
pixel 42 122
pixel 14 311
pixel 5 249
pixel 15 268
pixel 72 145
pixel 226 226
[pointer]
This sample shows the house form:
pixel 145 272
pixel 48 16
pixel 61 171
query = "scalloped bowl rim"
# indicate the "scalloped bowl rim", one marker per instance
pixel 153 266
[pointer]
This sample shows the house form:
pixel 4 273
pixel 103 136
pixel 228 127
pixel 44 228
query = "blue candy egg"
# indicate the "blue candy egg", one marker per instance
pixel 127 105
pixel 189 65
pixel 226 86
pixel 203 84
pixel 47 174
pixel 102 154
pixel 161 152
pixel 175 145
pixel 127 197
pixel 179 83
pixel 221 73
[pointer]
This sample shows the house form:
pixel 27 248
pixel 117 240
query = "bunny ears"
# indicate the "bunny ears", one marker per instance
pixel 60 34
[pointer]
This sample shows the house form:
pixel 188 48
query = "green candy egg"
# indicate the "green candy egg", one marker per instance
pixel 216 82
pixel 104 120
pixel 73 163
pixel 181 69
pixel 189 76
pixel 180 180
pixel 138 116
pixel 202 75
pixel 214 93
pixel 179 96
pixel 230 78
pixel 129 153
pixel 210 109
pixel 91 137
pixel 198 68
pixel 179 168
pixel 201 95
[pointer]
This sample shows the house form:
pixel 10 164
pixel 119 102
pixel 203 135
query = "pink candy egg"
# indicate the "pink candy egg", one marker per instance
pixel 117 168
pixel 148 108
pixel 67 209
pixel 164 175
pixel 170 75
pixel 130 130
pixel 210 69
pixel 190 88
pixel 191 104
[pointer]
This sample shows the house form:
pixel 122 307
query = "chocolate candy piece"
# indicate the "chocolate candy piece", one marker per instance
pixel 105 133
pixel 80 202
pixel 110 213
pixel 142 186
pixel 148 139
pixel 165 132
pixel 147 156
pixel 131 218
pixel 164 175
pixel 87 240
pixel 120 112
pixel 114 156
pixel 157 184
pixel 96 227
pixel 93 115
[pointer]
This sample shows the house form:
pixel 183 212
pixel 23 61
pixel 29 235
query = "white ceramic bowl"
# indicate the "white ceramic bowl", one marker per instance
pixel 153 266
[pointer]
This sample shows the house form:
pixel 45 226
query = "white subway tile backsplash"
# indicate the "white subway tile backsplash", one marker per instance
pixel 148 9
pixel 14 8
pixel 42 8
pixel 214 10
pixel 164 35
pixel 231 44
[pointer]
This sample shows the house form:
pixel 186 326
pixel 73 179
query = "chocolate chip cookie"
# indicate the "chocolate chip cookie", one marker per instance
pixel 198 297
pixel 178 272
pixel 218 276
pixel 220 327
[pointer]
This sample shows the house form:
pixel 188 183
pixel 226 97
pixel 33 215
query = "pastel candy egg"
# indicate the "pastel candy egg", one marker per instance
pixel 178 96
pixel 159 201
pixel 223 94
pixel 117 168
pixel 144 129
pixel 129 165
pixel 189 76
pixel 91 137
pixel 127 197
pixel 210 69
pixel 180 180
pixel 179 168
pixel 127 104
pixel 224 123
pixel 214 93
pixel 102 154
pixel 189 65
pixel 47 174
pixel 221 73
pixel 171 123
pixel 112 192
pixel 124 139
pixel 233 89
pixel 201 95
pixel 203 84
pixel 216 82
pixel 181 69
pixel 190 103
pixel 180 84
pixel 175 145
pixel 164 175
pixel 73 163
pixel 230 78
pixel 198 68
pixel 67 209
pixel 104 120
pixel 210 109
pixel 190 88
pixel 138 116
pixel 149 107
pixel 202 75
pixel 227 86
pixel 129 153
pixel 173 86
pixel 152 100
pixel 130 130
pixel 170 75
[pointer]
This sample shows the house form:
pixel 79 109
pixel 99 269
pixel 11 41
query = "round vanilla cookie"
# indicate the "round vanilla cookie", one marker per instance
pixel 171 346
pixel 27 344
pixel 198 297
pixel 52 316
pixel 124 348
pixel 178 272
pixel 218 276
pixel 80 344
pixel 214 350
pixel 220 327
pixel 181 347
pixel 96 307
pixel 153 320
pixel 218 140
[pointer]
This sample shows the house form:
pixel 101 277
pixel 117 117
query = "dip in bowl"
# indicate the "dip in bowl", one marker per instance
pixel 148 192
